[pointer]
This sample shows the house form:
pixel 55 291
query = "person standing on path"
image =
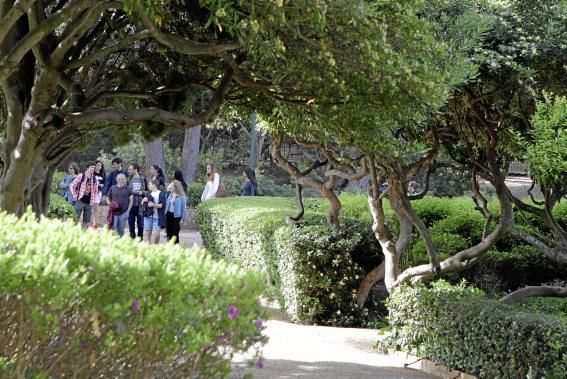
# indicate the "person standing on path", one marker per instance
pixel 73 170
pixel 154 217
pixel 84 189
pixel 138 186
pixel 100 177
pixel 123 196
pixel 178 175
pixel 157 173
pixel 176 209
pixel 111 177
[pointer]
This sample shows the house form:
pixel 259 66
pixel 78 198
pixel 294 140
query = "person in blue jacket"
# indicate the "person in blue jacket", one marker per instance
pixel 250 186
pixel 176 209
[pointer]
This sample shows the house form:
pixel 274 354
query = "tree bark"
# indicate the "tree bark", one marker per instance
pixel 154 154
pixel 534 291
pixel 41 195
pixel 253 142
pixel 369 281
pixel 190 153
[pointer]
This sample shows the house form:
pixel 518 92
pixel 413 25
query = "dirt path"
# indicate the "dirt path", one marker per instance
pixel 315 351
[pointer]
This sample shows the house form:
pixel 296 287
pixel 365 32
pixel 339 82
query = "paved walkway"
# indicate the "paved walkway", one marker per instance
pixel 315 351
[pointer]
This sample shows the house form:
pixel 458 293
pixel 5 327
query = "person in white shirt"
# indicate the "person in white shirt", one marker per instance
pixel 212 186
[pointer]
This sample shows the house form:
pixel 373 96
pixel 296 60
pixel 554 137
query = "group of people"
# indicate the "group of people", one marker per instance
pixel 143 202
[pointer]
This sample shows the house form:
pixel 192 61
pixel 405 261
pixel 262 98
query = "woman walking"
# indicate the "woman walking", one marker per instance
pixel 153 205
pixel 212 186
pixel 176 208
pixel 250 186
pixel 73 171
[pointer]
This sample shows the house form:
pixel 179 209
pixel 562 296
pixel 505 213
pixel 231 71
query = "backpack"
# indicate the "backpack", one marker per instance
pixel 222 191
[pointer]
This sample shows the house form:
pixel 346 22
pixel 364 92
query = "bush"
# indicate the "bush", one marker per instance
pixel 58 177
pixel 313 273
pixel 60 208
pixel 75 302
pixel 460 328
pixel 194 192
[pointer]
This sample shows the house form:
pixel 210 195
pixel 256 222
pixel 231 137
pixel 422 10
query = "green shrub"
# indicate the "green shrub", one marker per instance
pixel 460 328
pixel 84 303
pixel 60 208
pixel 313 273
pixel 194 192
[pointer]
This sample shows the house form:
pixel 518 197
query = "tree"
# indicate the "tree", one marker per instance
pixel 70 68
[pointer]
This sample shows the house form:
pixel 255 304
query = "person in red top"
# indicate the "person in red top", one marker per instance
pixel 85 190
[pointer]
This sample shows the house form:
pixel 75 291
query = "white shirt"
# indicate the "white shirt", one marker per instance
pixel 211 188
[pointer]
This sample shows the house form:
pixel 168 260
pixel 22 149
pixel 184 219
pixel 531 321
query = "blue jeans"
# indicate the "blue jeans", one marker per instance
pixel 134 217
pixel 120 223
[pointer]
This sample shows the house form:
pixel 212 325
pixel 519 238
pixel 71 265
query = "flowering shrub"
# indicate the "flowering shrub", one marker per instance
pixel 85 303
pixel 460 328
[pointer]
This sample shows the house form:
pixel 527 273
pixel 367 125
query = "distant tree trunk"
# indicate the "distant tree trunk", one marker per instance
pixel 190 153
pixel 253 142
pixel 154 154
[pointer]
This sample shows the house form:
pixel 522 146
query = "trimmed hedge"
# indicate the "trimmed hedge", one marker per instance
pixel 314 274
pixel 460 328
pixel 76 302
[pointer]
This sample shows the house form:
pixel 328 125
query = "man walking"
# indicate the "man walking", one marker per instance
pixel 121 194
pixel 111 177
pixel 84 189
pixel 138 186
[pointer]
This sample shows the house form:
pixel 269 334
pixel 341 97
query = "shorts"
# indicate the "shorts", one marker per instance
pixel 97 198
pixel 151 223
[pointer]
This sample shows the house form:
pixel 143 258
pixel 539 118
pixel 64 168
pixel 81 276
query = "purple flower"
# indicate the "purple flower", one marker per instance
pixel 232 312
pixel 260 324
pixel 260 363
pixel 135 307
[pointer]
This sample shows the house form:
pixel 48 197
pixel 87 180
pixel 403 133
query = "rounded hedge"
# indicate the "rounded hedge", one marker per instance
pixel 86 303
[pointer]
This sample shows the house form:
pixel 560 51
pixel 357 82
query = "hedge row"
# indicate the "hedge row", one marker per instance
pixel 75 302
pixel 314 274
pixel 460 328
pixel 251 232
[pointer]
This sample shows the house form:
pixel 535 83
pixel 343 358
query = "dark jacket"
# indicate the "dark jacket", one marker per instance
pixel 161 211
pixel 249 189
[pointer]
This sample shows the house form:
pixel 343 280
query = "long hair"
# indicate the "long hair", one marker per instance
pixel 251 175
pixel 178 175
pixel 159 170
pixel 75 167
pixel 178 188
pixel 102 172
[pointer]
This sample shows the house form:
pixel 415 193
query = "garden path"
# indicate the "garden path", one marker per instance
pixel 315 351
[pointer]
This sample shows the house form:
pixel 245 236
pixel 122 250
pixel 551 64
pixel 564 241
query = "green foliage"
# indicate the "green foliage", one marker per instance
pixel 110 307
pixel 547 153
pixel 313 273
pixel 60 208
pixel 194 192
pixel 58 177
pixel 458 327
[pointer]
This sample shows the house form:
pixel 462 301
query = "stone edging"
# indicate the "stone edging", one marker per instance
pixel 427 366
